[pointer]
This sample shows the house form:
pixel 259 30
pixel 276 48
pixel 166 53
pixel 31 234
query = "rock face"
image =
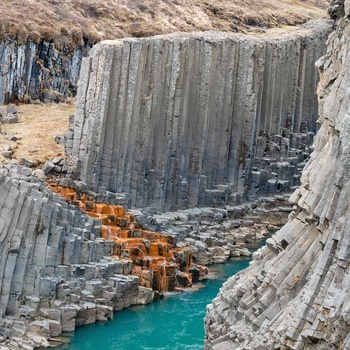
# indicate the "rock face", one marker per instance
pixel 190 120
pixel 32 71
pixel 155 257
pixel 295 294
pixel 55 270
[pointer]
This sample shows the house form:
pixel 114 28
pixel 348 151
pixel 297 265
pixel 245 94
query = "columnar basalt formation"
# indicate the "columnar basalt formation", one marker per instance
pixel 38 71
pixel 41 43
pixel 214 235
pixel 55 271
pixel 176 121
pixel 295 294
pixel 157 261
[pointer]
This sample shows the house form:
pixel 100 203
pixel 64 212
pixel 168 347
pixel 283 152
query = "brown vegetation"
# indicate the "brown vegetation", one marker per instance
pixel 38 126
pixel 72 21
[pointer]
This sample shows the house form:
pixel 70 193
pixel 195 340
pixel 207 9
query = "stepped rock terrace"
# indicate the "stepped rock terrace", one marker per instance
pixel 157 261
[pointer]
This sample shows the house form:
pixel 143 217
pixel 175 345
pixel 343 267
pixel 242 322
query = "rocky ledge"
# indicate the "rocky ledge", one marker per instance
pixel 295 294
pixel 56 272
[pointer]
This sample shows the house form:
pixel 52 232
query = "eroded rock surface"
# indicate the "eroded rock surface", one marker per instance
pixel 156 258
pixel 295 294
pixel 38 71
pixel 56 272
pixel 177 121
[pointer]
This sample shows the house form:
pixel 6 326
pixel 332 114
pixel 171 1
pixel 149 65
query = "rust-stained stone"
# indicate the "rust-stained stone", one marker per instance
pixel 156 259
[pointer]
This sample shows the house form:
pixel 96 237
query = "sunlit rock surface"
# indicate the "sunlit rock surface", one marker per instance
pixel 295 294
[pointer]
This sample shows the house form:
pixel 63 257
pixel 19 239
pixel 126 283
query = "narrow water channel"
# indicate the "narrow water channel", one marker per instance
pixel 174 323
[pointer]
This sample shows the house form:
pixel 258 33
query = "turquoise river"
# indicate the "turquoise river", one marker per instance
pixel 174 323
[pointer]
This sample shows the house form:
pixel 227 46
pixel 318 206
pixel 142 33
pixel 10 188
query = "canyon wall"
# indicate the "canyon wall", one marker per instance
pixel 295 294
pixel 56 272
pixel 38 71
pixel 200 119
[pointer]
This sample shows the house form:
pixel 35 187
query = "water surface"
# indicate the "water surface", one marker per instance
pixel 174 323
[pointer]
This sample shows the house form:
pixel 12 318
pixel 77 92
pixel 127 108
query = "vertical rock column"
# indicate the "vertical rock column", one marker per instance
pixel 55 270
pixel 173 120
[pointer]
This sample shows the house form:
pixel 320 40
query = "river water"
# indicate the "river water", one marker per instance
pixel 174 323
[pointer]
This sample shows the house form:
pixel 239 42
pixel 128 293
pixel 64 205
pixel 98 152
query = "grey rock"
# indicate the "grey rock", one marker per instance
pixel 7 154
pixel 55 328
pixel 10 119
pixel 295 292
pixel 145 295
pixel 51 96
pixel 3 112
pixel 12 137
pixel 209 173
pixel 41 328
pixel 11 110
pixel 40 174
pixel 57 160
pixel 6 148
pixel 48 167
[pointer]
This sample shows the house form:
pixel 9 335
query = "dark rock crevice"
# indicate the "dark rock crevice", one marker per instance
pixel 38 71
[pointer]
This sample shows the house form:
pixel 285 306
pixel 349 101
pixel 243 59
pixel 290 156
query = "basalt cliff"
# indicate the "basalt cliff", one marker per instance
pixel 56 271
pixel 193 120
pixel 184 121
pixel 295 294
pixel 42 43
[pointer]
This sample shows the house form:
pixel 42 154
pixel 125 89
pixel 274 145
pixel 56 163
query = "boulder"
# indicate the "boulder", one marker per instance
pixel 48 167
pixel 27 162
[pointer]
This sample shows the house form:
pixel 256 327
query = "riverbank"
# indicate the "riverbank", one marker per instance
pixel 174 323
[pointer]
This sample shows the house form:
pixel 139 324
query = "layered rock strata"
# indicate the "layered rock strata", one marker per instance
pixel 176 121
pixel 295 294
pixel 38 71
pixel 55 271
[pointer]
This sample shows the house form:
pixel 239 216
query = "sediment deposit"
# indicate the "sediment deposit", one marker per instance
pixel 199 119
pixel 295 294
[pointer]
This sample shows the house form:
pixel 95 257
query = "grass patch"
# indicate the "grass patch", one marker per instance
pixel 38 126
pixel 70 22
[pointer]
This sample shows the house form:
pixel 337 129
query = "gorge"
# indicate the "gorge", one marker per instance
pixel 201 136
pixel 304 304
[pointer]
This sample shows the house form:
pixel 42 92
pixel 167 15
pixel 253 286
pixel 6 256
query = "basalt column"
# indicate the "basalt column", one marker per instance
pixel 173 121
pixel 56 272
pixel 33 71
pixel 295 294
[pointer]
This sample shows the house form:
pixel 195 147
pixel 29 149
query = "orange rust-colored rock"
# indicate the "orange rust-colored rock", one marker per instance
pixel 156 259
